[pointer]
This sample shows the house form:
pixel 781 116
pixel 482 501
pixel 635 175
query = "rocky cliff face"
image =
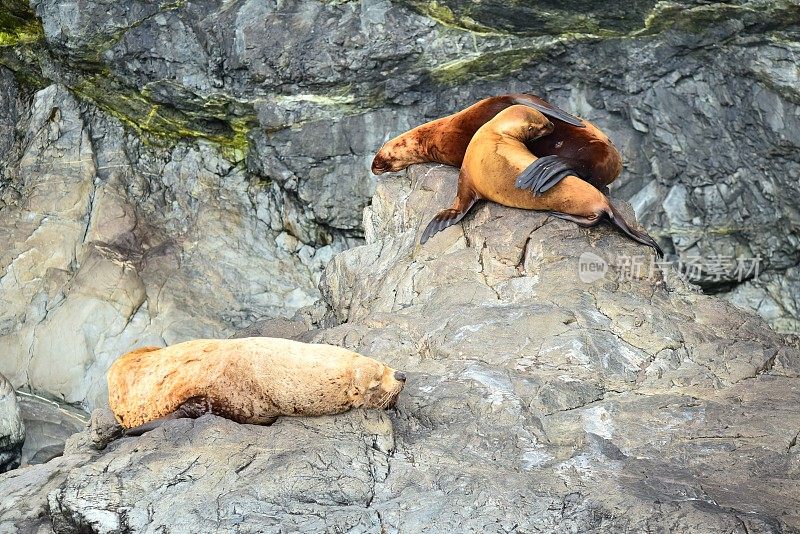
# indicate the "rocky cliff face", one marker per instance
pixel 538 399
pixel 176 169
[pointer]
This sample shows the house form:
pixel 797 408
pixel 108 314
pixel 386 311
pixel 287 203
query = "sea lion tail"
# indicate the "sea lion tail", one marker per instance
pixel 616 218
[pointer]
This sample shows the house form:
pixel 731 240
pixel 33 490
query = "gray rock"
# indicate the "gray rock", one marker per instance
pixel 48 425
pixel 116 245
pixel 606 404
pixel 323 472
pixel 298 96
pixel 280 328
pixel 538 399
pixel 12 428
pixel 24 504
pixel 104 428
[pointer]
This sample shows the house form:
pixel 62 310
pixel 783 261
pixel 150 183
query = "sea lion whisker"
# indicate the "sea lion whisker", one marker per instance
pixel 384 398
pixel 390 395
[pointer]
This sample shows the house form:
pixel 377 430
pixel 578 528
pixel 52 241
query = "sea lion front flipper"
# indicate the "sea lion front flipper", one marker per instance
pixel 193 408
pixel 546 172
pixel 442 220
pixel 465 199
pixel 548 109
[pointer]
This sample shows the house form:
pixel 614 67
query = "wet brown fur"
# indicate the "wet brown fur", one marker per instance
pixel 446 140
pixel 499 152
pixel 249 380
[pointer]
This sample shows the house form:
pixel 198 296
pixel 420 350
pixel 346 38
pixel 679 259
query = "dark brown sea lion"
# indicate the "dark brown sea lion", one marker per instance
pixel 250 380
pixel 496 164
pixel 445 140
pixel 574 145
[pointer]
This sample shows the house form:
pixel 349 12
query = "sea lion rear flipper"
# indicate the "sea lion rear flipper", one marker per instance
pixel 151 425
pixel 546 172
pixel 548 109
pixel 616 219
pixel 193 408
pixel 585 222
pixel 644 238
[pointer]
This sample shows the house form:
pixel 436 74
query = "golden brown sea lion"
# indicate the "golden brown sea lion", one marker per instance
pixel 250 380
pixel 445 140
pixel 575 145
pixel 496 164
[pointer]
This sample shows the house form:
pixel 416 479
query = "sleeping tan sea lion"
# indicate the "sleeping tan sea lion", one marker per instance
pixel 250 380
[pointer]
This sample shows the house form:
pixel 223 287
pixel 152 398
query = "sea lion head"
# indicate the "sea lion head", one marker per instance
pixel 397 154
pixel 523 123
pixel 374 385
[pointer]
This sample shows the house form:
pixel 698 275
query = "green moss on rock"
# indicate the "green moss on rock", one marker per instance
pixel 164 124
pixel 496 64
pixel 18 24
pixel 537 17
pixel 766 15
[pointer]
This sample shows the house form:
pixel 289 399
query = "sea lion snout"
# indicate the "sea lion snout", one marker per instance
pixel 381 388
pixel 379 165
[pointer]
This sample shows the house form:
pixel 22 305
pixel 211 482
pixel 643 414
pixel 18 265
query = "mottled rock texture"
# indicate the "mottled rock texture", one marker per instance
pixel 535 402
pixel 177 169
pixel 12 428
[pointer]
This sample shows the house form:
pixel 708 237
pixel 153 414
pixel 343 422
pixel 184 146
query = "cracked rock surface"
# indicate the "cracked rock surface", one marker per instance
pixel 535 401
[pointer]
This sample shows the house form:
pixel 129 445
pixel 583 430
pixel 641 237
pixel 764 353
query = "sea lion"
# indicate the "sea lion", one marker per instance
pixel 574 145
pixel 445 140
pixel 249 380
pixel 497 167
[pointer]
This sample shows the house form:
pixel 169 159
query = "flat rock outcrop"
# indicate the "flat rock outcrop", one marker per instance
pixel 539 397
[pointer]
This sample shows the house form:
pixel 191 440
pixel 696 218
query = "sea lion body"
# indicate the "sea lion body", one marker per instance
pixel 445 140
pixel 250 380
pixel 496 159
